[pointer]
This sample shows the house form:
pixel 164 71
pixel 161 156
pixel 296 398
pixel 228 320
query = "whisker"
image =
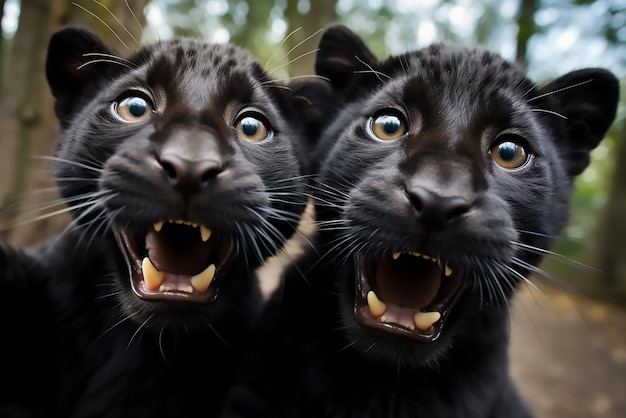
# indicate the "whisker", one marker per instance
pixel 291 61
pixel 69 162
pixel 130 10
pixel 582 83
pixel 300 43
pixel 556 255
pixel 117 20
pixel 114 57
pixel 124 319
pixel 50 215
pixel 550 112
pixel 103 22
pixel 138 330
pixel 80 67
pixel 296 77
pixel 267 64
pixel 522 277
pixel 371 70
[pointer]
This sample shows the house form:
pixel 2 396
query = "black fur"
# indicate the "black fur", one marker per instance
pixel 87 336
pixel 435 189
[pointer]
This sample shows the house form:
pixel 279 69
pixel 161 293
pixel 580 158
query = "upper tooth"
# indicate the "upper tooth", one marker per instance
pixel 395 256
pixel 377 308
pixel 447 271
pixel 151 276
pixel 158 226
pixel 183 222
pixel 424 320
pixel 202 281
pixel 205 233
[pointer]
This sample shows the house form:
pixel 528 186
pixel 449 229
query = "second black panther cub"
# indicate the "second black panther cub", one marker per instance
pixel 443 180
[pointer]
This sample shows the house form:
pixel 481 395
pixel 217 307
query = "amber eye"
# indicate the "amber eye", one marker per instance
pixel 509 155
pixel 387 127
pixel 252 128
pixel 133 109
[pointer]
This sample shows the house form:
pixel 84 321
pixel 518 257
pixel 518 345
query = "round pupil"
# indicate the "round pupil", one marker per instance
pixel 507 151
pixel 137 107
pixel 249 126
pixel 390 124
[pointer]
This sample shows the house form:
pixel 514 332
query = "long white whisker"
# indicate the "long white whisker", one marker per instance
pixel 371 70
pixel 557 255
pixel 560 90
pixel 103 22
pixel 291 61
pixel 300 43
pixel 111 56
pixel 550 112
pixel 117 20
pixel 267 64
pixel 80 67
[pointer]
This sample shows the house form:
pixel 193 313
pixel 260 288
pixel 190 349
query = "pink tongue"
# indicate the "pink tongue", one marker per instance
pixel 178 250
pixel 408 282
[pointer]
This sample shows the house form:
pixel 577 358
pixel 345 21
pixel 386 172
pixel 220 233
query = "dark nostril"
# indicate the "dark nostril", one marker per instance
pixel 187 175
pixel 435 210
pixel 169 168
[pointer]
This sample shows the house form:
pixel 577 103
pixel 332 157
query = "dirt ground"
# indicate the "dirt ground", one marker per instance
pixel 568 354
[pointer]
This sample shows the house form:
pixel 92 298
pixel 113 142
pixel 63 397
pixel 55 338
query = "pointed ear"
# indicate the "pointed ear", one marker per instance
pixel 72 71
pixel 588 99
pixel 341 53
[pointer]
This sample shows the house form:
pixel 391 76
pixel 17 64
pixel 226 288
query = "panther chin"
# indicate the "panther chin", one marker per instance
pixel 175 260
pixel 409 294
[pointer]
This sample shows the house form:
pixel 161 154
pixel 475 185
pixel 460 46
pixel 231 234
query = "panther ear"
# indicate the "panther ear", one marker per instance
pixel 588 99
pixel 342 53
pixel 76 64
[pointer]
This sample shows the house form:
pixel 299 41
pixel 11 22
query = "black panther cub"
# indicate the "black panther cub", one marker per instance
pixel 443 179
pixel 180 167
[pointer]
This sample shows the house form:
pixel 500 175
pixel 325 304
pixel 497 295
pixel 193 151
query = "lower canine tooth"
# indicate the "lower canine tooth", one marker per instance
pixel 151 276
pixel 377 308
pixel 424 320
pixel 202 281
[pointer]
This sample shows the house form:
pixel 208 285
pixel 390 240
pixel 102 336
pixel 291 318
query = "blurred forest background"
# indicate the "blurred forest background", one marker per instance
pixel 549 37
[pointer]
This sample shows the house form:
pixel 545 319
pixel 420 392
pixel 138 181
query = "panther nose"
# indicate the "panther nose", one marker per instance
pixel 435 211
pixel 189 176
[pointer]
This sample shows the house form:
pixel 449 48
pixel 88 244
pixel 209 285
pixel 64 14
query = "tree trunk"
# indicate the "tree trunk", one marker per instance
pixel 526 28
pixel 2 41
pixel 27 121
pixel 29 127
pixel 611 248
pixel 303 26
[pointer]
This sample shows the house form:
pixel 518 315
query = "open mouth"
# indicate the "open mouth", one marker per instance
pixel 408 294
pixel 175 260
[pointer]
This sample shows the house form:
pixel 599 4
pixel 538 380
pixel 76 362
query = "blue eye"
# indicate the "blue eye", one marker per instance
pixel 133 109
pixel 252 129
pixel 509 155
pixel 250 126
pixel 387 127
